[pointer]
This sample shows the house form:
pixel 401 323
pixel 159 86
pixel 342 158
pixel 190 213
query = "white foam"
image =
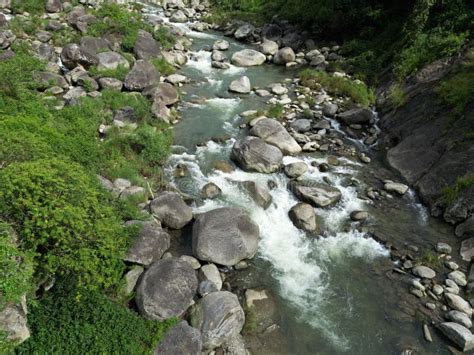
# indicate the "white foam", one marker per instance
pixel 201 61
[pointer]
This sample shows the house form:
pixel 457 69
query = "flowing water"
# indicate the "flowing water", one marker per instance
pixel 332 291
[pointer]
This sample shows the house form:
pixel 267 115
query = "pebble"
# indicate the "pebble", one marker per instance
pixel 451 265
pixel 427 333
pixel 438 289
pixel 443 248
pixel 408 264
pixel 416 292
pixel 430 305
pixel 424 272
pixel 458 277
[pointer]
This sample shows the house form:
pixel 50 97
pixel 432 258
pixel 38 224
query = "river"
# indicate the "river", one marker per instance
pixel 332 292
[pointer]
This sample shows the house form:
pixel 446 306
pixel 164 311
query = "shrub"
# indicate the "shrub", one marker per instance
pixel 356 90
pixel 276 111
pixel 396 96
pixel 63 217
pixel 62 323
pixel 30 6
pixel 458 90
pixel 163 66
pixel 426 48
pixel 166 39
pixel 119 73
pixel 16 268
pixel 116 19
pixel 451 193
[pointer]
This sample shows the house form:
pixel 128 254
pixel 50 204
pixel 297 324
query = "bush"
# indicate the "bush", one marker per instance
pixel 427 48
pixel 63 217
pixel 163 66
pixel 357 91
pixel 116 19
pixel 16 268
pixel 396 96
pixel 451 193
pixel 119 73
pixel 62 323
pixel 164 37
pixel 458 90
pixel 30 6
pixel 276 111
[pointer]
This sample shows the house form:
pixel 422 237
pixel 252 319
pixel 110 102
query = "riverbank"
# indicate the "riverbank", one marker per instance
pixel 278 219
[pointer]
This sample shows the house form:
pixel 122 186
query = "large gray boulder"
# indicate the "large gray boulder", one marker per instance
pixel 458 334
pixel 143 74
pixel 47 79
pixel 295 170
pixel 111 61
pixel 53 6
pixel 13 322
pixel 315 193
pixel 178 16
pixel 303 217
pixel 74 54
pixel 253 154
pixel 244 31
pixel 458 303
pixel 241 85
pixel 466 229
pixel 259 193
pixel 150 245
pixel 169 208
pixel 284 56
pixel 225 236
pixel 181 339
pixel 221 45
pixel 268 47
pixel 460 318
pixel 248 58
pixel 272 132
pixel 146 47
pixel 219 317
pixel 95 45
pixel 166 289
pixel 356 116
pixel 164 93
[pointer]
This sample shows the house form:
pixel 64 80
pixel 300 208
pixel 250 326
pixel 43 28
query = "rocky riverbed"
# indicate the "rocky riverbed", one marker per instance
pixel 279 231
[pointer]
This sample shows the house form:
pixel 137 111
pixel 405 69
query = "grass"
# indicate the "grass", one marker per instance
pixel 276 111
pixel 31 6
pixel 396 96
pixel 163 66
pixel 355 90
pixel 430 259
pixel 452 193
pixel 118 73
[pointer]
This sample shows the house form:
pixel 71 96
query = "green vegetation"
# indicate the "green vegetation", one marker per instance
pixel 30 6
pixel 63 217
pixel 92 322
pixel 430 259
pixel 276 111
pixel 451 193
pixel 16 268
pixel 396 96
pixel 403 35
pixel 356 90
pixel 163 66
pixel 425 49
pixel 458 90
pixel 117 20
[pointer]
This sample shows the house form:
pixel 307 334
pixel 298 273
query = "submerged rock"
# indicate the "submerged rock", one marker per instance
pixel 225 236
pixel 166 289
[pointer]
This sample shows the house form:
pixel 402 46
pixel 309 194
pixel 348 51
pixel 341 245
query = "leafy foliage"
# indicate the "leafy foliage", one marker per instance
pixel 118 73
pixel 458 90
pixel 30 6
pixel 451 193
pixel 163 66
pixel 62 321
pixel 356 90
pixel 63 217
pixel 396 96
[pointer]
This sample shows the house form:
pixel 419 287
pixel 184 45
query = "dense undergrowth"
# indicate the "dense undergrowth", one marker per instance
pixel 56 221
pixel 400 35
